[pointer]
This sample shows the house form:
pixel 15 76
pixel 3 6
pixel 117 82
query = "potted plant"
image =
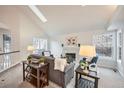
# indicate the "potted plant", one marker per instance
pixel 41 61
pixel 29 59
pixel 84 65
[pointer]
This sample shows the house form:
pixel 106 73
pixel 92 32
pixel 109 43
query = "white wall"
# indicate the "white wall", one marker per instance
pixel 10 17
pixel 28 30
pixel 84 37
pixel 21 27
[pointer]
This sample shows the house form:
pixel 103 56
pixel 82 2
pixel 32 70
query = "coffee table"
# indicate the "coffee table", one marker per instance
pixel 81 82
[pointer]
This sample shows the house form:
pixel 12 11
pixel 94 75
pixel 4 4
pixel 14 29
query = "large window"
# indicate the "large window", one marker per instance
pixel 119 45
pixel 104 44
pixel 6 43
pixel 40 43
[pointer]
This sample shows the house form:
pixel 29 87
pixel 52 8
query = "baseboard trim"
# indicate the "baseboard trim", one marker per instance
pixel 114 69
pixel 122 75
pixel 107 67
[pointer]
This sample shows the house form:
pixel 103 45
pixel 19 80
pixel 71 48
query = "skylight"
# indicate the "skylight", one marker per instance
pixel 38 13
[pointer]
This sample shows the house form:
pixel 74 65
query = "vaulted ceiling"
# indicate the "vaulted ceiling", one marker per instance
pixel 63 19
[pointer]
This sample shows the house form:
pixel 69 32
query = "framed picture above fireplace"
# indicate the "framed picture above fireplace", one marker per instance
pixel 71 41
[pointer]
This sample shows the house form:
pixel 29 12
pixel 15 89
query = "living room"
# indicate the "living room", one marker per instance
pixel 61 34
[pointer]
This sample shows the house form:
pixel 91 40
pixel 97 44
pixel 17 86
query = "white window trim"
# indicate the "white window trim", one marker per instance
pixel 118 39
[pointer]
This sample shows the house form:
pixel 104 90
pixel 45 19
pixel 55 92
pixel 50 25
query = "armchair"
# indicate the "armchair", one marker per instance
pixel 94 60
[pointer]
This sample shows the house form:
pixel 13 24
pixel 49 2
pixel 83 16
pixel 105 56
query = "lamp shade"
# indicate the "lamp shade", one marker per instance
pixel 30 48
pixel 87 51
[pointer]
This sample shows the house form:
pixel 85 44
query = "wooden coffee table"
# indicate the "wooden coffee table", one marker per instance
pixel 81 82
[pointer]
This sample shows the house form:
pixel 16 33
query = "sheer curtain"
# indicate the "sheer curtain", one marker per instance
pixel 105 44
pixel 40 44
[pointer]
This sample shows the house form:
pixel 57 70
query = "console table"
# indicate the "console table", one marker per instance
pixel 36 74
pixel 81 82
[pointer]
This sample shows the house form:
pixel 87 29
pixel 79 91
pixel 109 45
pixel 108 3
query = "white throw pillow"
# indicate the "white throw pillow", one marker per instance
pixel 60 64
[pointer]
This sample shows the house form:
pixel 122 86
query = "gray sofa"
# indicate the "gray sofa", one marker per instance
pixel 56 76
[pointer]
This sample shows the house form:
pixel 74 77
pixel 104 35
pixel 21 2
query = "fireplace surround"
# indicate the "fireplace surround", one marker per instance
pixel 71 56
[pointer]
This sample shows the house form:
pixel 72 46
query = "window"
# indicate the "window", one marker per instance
pixel 119 45
pixel 105 45
pixel 39 43
pixel 6 43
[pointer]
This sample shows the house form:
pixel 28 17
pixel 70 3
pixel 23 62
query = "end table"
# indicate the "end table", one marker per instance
pixel 81 82
pixel 37 75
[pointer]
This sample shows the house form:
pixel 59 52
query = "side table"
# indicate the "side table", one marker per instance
pixel 82 82
pixel 36 74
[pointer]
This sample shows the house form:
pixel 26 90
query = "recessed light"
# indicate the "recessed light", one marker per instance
pixel 38 13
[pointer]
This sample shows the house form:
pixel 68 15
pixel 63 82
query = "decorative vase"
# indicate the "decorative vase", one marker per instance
pixel 82 67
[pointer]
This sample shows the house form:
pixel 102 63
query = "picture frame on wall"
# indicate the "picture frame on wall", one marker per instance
pixel 71 41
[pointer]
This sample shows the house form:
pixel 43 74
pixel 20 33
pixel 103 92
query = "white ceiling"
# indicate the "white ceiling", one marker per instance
pixel 64 19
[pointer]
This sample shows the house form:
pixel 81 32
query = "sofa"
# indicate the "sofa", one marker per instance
pixel 56 76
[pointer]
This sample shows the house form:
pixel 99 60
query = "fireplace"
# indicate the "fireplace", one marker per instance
pixel 71 57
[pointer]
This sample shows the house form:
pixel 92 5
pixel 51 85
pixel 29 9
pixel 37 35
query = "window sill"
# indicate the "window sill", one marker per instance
pixel 119 61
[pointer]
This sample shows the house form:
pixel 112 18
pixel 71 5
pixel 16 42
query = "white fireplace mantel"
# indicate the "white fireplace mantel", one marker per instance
pixel 71 49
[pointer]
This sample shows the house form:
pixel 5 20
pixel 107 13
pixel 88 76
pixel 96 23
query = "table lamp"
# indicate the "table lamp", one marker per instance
pixel 30 48
pixel 87 51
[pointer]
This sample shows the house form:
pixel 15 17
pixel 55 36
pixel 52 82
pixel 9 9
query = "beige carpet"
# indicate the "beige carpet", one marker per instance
pixel 12 78
pixel 25 85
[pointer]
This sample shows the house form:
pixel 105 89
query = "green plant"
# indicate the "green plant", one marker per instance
pixel 41 60
pixel 29 58
pixel 83 63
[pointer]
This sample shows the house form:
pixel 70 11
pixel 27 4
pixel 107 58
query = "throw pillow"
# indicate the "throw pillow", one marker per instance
pixel 60 64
